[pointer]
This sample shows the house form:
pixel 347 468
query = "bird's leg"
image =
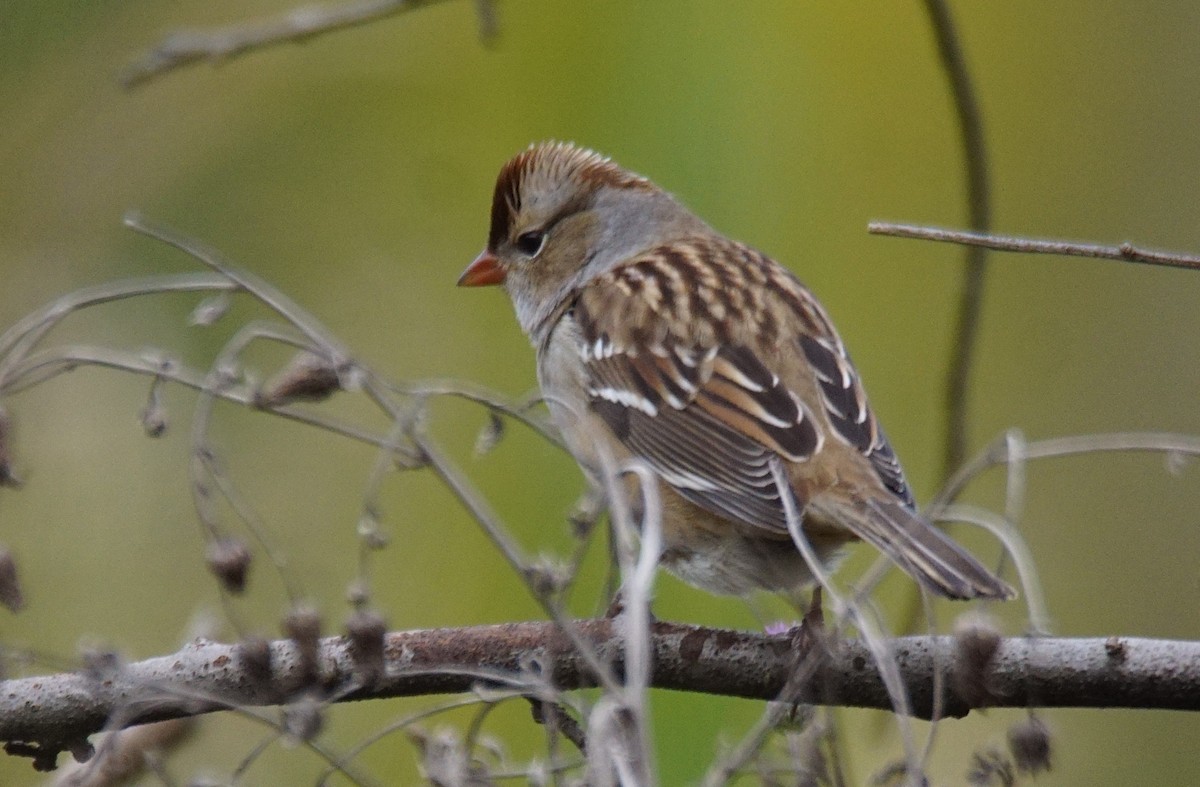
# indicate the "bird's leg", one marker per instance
pixel 811 632
pixel 815 616
pixel 616 606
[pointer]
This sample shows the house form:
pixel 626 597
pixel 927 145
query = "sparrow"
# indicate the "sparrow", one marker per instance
pixel 661 340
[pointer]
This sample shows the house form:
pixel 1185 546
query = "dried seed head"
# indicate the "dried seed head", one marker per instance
pixel 1176 462
pixel 898 773
pixel 7 477
pixel 585 513
pixel 990 768
pixel 370 532
pixel 154 418
pixel 358 593
pixel 154 414
pixel 254 653
pixel 444 759
pixel 229 560
pixel 303 719
pixel 306 378
pixel 303 626
pixel 976 641
pixel 1029 742
pixel 227 374
pixel 10 589
pixel 100 665
pixel 490 435
pixel 211 309
pixel 366 631
pixel 547 576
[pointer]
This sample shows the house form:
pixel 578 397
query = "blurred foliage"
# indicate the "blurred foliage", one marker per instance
pixel 355 173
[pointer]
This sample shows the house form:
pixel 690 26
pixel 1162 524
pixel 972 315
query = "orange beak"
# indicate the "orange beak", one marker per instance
pixel 485 271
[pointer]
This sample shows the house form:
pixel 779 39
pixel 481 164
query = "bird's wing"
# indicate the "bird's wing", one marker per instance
pixel 707 369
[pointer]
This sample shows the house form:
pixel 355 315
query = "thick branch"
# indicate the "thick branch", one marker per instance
pixel 58 711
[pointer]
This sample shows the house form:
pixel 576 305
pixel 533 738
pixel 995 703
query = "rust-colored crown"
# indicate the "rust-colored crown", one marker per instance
pixel 545 164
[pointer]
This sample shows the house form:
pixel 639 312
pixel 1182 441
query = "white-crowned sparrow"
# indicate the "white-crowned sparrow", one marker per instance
pixel 659 338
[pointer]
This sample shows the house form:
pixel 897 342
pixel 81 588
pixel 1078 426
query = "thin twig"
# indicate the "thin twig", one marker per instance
pixel 999 453
pixel 18 340
pixel 1123 252
pixel 269 296
pixel 458 484
pixel 852 611
pixel 554 717
pixel 218 45
pixel 970 123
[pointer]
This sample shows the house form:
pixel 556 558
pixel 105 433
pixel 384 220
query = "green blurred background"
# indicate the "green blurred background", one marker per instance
pixel 355 172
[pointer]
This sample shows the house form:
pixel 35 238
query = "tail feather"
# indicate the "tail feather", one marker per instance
pixel 926 553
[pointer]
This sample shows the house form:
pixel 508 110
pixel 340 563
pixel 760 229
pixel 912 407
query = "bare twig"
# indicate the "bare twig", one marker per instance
pixel 301 24
pixel 127 754
pixel 1124 252
pixel 555 718
pixel 851 610
pixel 1000 452
pixel 970 123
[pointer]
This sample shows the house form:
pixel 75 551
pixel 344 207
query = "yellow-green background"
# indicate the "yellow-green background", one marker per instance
pixel 355 171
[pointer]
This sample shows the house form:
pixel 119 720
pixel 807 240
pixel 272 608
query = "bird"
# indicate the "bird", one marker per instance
pixel 660 340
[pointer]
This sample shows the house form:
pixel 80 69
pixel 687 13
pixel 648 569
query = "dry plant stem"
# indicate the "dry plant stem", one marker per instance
pixel 151 697
pixel 19 372
pixel 1014 489
pixel 728 765
pixel 271 297
pixel 558 722
pixel 19 340
pixel 1124 252
pixel 479 509
pixel 628 742
pixel 205 466
pixel 1012 450
pixel 41 367
pixel 940 672
pixel 1016 549
pixel 970 123
pixel 206 676
pixel 519 411
pixel 850 611
pixel 258 750
pixel 396 726
pixel 296 26
pixel 1000 453
pixel 126 755
pixel 385 462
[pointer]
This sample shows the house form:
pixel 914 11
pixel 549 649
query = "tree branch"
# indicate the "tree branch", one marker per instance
pixel 300 24
pixel 1124 252
pixel 58 712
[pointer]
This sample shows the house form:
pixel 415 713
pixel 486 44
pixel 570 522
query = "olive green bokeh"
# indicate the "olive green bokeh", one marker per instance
pixel 355 172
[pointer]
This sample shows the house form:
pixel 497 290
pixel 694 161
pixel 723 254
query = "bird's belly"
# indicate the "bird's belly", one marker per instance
pixel 720 557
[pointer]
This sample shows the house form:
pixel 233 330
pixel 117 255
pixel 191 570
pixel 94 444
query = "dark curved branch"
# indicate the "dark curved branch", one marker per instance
pixel 58 712
pixel 970 123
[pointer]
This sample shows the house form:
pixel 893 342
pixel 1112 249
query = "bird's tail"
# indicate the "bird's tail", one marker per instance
pixel 925 552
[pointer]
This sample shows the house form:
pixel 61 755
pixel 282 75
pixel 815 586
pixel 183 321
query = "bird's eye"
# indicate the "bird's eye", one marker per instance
pixel 531 243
